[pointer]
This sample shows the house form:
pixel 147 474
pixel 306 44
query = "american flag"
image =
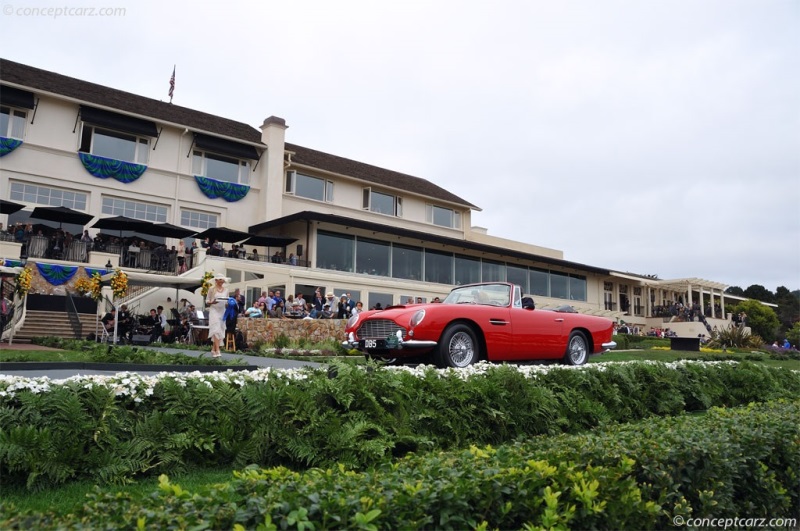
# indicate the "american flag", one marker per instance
pixel 172 84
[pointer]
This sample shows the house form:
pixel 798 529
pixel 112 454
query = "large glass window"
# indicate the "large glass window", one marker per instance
pixel 385 299
pixel 438 267
pixel 540 282
pixel 12 122
pixel 444 217
pixel 518 275
pixel 42 195
pixel 114 145
pixel 309 187
pixel 199 220
pixel 372 257
pixel 493 271
pixel 335 251
pixel 134 209
pixel 406 262
pixel 382 203
pixel 467 270
pixel 577 288
pixel 221 168
pixel 559 285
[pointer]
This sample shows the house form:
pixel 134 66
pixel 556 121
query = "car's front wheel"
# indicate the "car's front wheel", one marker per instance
pixel 577 349
pixel 458 347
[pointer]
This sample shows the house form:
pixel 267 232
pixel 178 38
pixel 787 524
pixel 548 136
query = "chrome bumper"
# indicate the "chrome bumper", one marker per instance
pixel 352 342
pixel 608 346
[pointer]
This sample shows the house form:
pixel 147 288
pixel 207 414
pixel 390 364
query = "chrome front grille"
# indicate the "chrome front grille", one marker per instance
pixel 379 329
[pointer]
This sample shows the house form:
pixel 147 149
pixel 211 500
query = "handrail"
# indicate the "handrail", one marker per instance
pixel 74 319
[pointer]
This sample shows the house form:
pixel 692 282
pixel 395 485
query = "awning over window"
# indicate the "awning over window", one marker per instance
pixel 225 147
pixel 15 97
pixel 118 122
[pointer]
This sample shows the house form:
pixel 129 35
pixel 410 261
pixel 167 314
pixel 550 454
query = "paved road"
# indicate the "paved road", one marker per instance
pixel 56 373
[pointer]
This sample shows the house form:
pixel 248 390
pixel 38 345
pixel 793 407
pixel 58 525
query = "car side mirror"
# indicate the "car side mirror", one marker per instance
pixel 527 303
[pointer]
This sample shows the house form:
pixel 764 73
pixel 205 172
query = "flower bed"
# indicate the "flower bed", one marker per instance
pixel 113 428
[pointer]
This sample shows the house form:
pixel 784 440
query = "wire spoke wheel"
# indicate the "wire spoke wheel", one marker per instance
pixel 577 349
pixel 458 348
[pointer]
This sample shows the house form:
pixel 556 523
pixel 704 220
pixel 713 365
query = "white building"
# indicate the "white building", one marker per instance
pixel 381 235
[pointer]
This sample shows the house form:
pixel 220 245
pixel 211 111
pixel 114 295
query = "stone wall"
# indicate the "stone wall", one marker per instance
pixel 313 330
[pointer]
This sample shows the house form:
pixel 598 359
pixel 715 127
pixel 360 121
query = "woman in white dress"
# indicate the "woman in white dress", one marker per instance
pixel 217 300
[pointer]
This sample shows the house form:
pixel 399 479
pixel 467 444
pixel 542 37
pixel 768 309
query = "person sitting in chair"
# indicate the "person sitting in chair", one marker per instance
pixel 108 321
pixel 124 322
pixel 153 321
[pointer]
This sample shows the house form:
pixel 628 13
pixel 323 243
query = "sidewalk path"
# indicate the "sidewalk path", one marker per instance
pixel 58 371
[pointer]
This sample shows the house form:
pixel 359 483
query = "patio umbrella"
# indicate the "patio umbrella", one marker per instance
pixel 9 207
pixel 269 241
pixel 121 223
pixel 167 230
pixel 61 214
pixel 223 234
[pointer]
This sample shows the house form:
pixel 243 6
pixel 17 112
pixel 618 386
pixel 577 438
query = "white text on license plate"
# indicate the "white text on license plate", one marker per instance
pixel 370 343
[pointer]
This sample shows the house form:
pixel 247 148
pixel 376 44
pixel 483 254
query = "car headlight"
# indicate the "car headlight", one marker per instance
pixel 416 318
pixel 352 321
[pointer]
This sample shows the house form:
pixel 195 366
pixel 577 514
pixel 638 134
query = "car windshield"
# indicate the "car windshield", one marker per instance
pixel 489 294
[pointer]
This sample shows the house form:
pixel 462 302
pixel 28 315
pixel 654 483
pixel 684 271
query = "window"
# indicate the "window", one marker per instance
pixel 385 299
pixel 540 282
pixel 114 145
pixel 608 286
pixel 443 217
pixel 518 275
pixel 438 267
pixel 372 257
pixel 577 288
pixel 381 203
pixel 493 271
pixel 134 209
pixel 42 195
pixel 559 285
pixel 406 262
pixel 309 187
pixel 199 220
pixel 220 167
pixel 468 270
pixel 12 122
pixel 335 251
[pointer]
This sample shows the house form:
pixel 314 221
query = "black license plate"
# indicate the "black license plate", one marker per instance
pixel 372 343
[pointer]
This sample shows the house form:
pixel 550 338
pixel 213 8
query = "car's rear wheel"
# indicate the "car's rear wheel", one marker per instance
pixel 577 349
pixel 458 347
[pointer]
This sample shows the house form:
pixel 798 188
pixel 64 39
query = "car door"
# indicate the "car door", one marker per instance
pixel 537 333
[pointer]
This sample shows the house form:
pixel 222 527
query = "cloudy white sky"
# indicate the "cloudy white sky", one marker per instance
pixel 657 137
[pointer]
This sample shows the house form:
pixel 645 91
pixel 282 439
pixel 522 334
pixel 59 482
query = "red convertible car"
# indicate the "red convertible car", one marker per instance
pixel 488 321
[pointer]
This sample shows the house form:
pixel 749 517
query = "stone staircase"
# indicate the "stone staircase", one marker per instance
pixel 39 323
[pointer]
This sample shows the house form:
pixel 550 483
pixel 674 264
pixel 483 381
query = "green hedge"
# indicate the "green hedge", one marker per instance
pixel 653 474
pixel 353 416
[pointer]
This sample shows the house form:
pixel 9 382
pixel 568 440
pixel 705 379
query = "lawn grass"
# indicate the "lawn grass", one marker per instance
pixel 64 499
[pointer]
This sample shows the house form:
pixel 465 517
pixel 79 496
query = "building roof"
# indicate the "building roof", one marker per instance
pixel 37 79
pixel 373 174
pixel 425 237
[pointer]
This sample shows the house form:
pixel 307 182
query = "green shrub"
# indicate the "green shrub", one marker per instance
pixel 281 341
pixel 645 475
pixel 355 416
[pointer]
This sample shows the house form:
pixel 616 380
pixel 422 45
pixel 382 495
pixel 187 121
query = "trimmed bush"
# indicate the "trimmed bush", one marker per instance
pixel 113 429
pixel 645 475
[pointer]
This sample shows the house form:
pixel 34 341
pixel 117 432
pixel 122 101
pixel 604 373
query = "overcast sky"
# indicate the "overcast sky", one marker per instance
pixel 656 137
